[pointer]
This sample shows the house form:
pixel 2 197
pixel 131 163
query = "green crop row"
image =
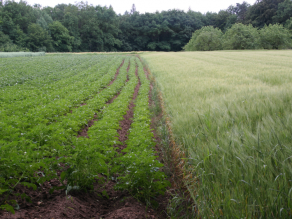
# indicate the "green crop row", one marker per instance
pixel 96 154
pixel 29 95
pixel 17 71
pixel 40 141
pixel 25 154
pixel 18 54
pixel 21 120
pixel 66 127
pixel 140 173
pixel 50 140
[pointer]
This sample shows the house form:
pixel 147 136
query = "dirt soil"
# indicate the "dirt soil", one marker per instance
pixel 102 202
pixel 125 124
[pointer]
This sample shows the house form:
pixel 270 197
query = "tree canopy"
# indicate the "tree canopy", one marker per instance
pixel 85 27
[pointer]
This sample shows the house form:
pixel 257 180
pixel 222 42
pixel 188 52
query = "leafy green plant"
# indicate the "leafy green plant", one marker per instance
pixel 275 37
pixel 205 39
pixel 32 141
pixel 240 37
pixel 47 120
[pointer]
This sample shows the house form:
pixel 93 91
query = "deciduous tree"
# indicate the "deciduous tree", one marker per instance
pixel 241 36
pixel 206 39
pixel 275 37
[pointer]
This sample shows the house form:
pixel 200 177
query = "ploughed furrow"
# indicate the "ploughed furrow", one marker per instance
pixel 113 113
pixel 111 100
pixel 141 173
pixel 38 148
pixel 117 73
pixel 83 131
pixel 125 124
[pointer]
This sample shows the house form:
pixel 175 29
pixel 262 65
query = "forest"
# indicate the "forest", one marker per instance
pixel 83 27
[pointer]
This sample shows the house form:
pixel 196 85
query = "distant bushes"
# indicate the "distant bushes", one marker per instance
pixel 240 37
pixel 275 37
pixel 205 39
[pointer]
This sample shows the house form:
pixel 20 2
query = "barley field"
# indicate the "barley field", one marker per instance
pixel 231 114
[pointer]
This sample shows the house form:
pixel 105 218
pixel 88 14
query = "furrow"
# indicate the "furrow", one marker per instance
pixel 125 124
pixel 111 100
pixel 83 131
pixel 140 171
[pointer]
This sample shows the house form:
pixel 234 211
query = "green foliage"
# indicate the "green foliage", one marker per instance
pixel 71 23
pixel 275 37
pixel 165 31
pixel 35 145
pixel 6 44
pixel 43 19
pixel 39 127
pixel 8 208
pixel 206 39
pixel 240 37
pixel 38 39
pixel 4 38
pixel 240 10
pixel 60 36
pixel 288 25
pixel 225 19
pixel 19 14
pixel 262 12
pixel 284 12
pixel 140 170
pixel 84 27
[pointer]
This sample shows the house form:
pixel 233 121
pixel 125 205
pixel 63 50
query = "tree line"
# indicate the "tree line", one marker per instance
pixel 240 37
pixel 83 27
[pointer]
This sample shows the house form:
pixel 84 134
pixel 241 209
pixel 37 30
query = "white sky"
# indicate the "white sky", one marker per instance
pixel 120 6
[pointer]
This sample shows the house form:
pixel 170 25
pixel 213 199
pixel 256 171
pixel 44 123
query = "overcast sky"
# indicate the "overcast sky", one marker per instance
pixel 120 6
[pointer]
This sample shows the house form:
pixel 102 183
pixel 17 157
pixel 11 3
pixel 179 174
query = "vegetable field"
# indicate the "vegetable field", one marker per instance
pixel 61 117
pixel 231 114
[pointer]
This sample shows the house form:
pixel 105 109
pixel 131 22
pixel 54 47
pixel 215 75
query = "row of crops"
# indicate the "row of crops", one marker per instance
pixel 20 54
pixel 45 102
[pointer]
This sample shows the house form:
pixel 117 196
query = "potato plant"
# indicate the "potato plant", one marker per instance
pixel 40 129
